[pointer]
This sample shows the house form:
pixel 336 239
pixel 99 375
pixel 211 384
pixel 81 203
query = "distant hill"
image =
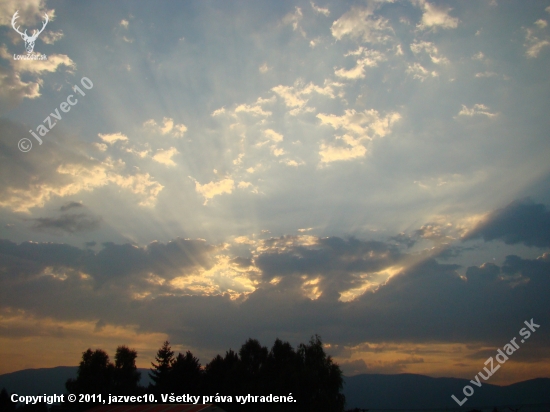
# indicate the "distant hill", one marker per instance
pixel 409 391
pixel 46 380
pixel 372 391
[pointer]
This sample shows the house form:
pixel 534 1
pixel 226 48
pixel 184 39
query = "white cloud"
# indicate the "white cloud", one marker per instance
pixel 321 10
pixel 218 112
pixel 291 162
pixel 486 74
pixel 364 125
pixel 179 130
pixel 168 127
pixel 419 72
pixel 124 23
pixel 273 135
pixel 294 19
pixel 209 190
pixel 72 178
pixel 534 44
pixel 333 153
pixel 360 23
pixel 434 17
pixel 113 137
pixel 38 66
pixel 13 90
pixel 541 24
pixel 477 109
pixel 29 10
pixel 254 109
pixel 165 156
pixel 371 58
pixel 277 151
pixel 264 68
pixel 478 56
pixel 243 185
pixel 359 126
pixel 290 96
pixel 293 96
pixel 50 37
pixel 430 49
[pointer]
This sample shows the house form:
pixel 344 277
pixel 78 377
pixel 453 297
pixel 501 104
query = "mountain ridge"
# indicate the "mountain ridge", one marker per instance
pixel 372 391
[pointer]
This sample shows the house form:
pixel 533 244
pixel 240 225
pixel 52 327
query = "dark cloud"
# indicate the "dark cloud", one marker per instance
pixel 522 221
pixel 70 223
pixel 428 301
pixel 166 260
pixel 70 205
pixel 340 263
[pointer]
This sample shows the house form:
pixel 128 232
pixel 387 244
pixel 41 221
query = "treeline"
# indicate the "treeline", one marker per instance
pixel 308 374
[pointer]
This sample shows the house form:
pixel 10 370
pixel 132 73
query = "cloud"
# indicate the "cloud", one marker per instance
pixel 113 137
pixel 428 47
pixel 70 205
pixel 124 23
pixel 522 221
pixel 360 23
pixel 365 125
pixel 273 135
pixel 534 44
pixel 31 11
pixel 434 17
pixel 349 290
pixel 13 90
pixel 50 37
pixel 359 127
pixel 165 156
pixel 69 223
pixel 419 72
pixel 295 96
pixel 541 24
pixel 294 19
pixel 371 58
pixel 56 172
pixel 486 74
pixel 254 109
pixel 264 68
pixel 331 153
pixel 478 56
pixel 323 267
pixel 209 190
pixel 477 109
pixel 51 65
pixel 321 10
pixel 168 127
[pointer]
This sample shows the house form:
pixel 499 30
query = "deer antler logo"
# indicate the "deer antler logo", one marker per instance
pixel 29 40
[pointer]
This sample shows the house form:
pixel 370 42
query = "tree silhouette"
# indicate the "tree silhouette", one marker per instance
pixel 314 380
pixel 126 376
pixel 5 401
pixel 160 372
pixel 253 358
pixel 186 374
pixel 283 368
pixel 321 379
pixel 223 375
pixel 95 374
pixel 307 373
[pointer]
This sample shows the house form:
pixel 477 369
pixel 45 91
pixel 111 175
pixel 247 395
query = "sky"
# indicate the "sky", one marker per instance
pixel 372 171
